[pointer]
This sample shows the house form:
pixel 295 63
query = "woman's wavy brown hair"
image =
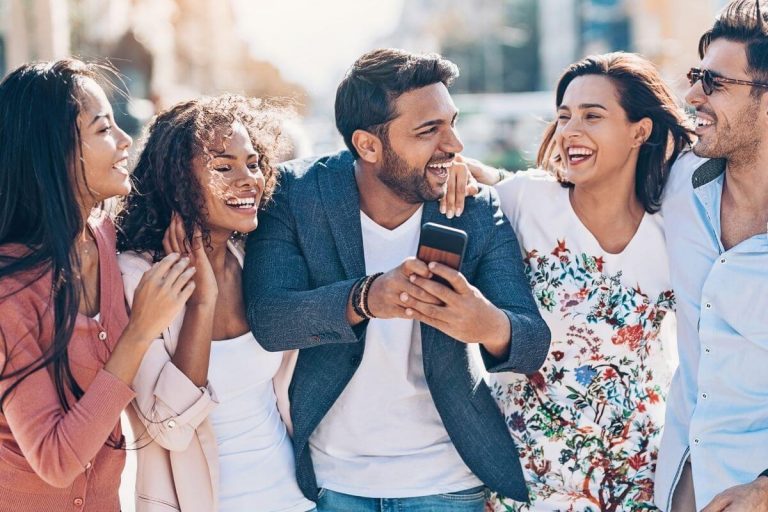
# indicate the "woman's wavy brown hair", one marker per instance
pixel 164 181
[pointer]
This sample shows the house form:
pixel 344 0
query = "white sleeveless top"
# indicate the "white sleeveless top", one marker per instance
pixel 255 452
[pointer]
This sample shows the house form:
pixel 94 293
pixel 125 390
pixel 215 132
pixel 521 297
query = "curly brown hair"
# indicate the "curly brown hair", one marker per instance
pixel 163 178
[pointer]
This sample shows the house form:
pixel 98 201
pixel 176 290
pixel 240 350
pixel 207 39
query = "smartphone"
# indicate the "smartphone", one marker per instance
pixel 442 244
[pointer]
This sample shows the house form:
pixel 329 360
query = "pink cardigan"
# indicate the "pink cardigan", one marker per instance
pixel 49 459
pixel 178 462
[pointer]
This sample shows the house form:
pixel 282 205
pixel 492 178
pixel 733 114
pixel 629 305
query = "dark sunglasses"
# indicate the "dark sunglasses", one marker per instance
pixel 710 81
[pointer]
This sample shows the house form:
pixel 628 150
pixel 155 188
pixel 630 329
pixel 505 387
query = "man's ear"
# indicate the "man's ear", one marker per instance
pixel 643 129
pixel 368 146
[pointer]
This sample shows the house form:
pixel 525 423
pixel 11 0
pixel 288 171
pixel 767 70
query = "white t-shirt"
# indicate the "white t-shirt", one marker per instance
pixel 383 438
pixel 255 453
pixel 591 418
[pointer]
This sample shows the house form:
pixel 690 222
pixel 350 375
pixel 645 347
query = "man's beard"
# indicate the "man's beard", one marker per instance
pixel 409 183
pixel 734 142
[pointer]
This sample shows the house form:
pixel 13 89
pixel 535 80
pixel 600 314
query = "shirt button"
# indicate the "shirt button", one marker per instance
pixel 708 305
pixel 722 260
pixel 704 396
pixel 696 441
pixel 103 335
pixel 88 466
pixel 171 424
pixel 78 502
pixel 707 350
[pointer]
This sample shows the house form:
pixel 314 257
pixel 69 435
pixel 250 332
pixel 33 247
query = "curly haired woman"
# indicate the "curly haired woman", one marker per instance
pixel 201 179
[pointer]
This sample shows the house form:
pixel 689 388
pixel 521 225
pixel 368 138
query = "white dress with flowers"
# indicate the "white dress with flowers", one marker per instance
pixel 588 424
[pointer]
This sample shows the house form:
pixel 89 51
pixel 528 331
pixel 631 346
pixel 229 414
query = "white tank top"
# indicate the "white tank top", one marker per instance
pixel 255 452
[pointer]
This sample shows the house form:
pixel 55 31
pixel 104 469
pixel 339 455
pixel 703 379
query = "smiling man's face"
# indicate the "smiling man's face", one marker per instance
pixel 420 144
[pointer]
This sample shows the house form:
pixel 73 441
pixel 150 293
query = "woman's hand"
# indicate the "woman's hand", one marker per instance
pixel 484 174
pixel 175 240
pixel 460 185
pixel 159 297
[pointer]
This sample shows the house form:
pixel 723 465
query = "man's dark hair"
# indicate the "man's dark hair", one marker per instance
pixel 742 21
pixel 366 97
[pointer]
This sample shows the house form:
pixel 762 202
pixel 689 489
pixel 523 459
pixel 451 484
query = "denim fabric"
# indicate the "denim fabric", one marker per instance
pixel 470 500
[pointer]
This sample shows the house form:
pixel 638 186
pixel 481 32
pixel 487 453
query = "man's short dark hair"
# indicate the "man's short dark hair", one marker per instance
pixel 742 21
pixel 365 98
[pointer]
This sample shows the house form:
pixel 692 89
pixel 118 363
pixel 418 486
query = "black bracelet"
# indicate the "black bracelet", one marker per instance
pixel 357 297
pixel 503 174
pixel 367 288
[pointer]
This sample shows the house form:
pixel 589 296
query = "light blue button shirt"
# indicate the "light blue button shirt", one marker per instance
pixel 717 409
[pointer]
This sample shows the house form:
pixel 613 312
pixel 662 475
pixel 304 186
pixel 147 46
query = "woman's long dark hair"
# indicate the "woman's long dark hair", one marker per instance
pixel 642 93
pixel 163 179
pixel 39 210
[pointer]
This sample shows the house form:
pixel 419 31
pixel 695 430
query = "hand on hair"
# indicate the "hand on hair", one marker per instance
pixel 160 295
pixel 176 240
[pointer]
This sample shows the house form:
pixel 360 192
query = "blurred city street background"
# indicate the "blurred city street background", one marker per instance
pixel 510 52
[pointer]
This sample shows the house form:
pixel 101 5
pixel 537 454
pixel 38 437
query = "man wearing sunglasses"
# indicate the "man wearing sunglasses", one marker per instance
pixel 714 452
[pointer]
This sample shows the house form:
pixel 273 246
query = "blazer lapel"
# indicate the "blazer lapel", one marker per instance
pixel 341 200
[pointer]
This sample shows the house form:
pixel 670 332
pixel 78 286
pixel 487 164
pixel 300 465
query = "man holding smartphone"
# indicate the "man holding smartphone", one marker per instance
pixel 388 413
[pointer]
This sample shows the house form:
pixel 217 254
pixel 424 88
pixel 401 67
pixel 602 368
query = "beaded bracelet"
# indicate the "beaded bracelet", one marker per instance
pixel 366 287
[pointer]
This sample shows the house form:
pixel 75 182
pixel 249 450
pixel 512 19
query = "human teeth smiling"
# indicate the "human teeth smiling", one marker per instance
pixel 579 154
pixel 241 202
pixel 703 122
pixel 121 165
pixel 440 169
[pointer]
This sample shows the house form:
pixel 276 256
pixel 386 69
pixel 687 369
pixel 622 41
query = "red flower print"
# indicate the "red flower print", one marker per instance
pixel 629 334
pixel 529 255
pixel 561 248
pixel 641 407
pixel 652 396
pixel 599 262
pixel 558 355
pixel 641 308
pixel 637 461
pixel 610 373
pixel 537 381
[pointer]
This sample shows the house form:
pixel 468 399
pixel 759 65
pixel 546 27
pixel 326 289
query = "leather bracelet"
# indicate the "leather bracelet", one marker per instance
pixel 357 297
pixel 367 288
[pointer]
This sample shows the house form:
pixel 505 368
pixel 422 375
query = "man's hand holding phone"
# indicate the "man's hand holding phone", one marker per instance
pixel 463 313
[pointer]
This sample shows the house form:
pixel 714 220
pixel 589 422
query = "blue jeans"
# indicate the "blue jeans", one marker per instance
pixel 471 500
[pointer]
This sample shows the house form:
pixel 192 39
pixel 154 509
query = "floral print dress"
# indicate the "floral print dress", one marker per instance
pixel 588 423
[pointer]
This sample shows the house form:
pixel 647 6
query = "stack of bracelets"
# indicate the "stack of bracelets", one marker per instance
pixel 360 296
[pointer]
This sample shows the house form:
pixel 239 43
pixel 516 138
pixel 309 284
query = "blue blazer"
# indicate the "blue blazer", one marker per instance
pixel 300 266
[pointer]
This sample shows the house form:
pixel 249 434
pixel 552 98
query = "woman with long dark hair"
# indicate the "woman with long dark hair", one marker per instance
pixel 68 351
pixel 207 411
pixel 588 424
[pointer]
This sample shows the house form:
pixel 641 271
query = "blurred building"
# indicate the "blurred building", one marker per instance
pixel 167 50
pixel 508 47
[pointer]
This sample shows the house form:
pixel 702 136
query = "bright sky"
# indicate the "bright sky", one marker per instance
pixel 313 42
